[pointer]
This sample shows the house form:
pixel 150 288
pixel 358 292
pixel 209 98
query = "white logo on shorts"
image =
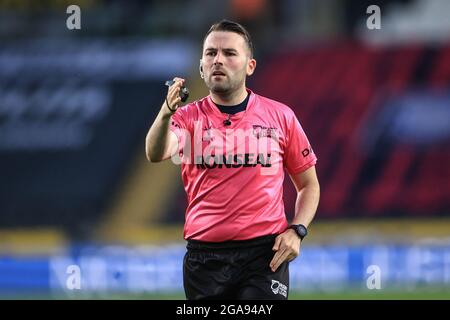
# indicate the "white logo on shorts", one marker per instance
pixel 279 288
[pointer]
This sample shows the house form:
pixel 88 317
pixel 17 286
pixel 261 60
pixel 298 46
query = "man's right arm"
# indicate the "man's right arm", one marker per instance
pixel 161 143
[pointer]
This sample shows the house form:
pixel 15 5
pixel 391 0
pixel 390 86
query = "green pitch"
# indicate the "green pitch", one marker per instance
pixel 428 294
pixel 341 295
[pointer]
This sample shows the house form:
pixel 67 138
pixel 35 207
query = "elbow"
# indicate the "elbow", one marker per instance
pixel 148 156
pixel 317 190
pixel 151 157
pixel 316 186
pixel 312 185
pixel 151 152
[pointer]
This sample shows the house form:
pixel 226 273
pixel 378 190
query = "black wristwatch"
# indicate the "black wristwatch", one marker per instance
pixel 300 229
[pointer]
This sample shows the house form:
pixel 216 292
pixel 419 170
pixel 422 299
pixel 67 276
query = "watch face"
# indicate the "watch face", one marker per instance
pixel 301 231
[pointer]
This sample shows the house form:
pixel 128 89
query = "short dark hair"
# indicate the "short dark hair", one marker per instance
pixel 231 26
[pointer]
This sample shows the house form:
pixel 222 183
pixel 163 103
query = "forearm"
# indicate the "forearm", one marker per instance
pixel 306 204
pixel 157 140
pixel 287 244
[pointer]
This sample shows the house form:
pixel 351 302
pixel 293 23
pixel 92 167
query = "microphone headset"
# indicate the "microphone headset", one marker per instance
pixel 200 68
pixel 227 122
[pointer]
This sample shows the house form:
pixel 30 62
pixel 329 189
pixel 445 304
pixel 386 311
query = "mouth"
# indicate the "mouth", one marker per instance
pixel 218 73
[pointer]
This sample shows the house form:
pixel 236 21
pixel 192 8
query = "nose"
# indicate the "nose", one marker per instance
pixel 218 58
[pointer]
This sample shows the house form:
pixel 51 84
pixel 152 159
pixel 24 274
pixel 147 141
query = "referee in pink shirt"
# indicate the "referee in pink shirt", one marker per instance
pixel 234 146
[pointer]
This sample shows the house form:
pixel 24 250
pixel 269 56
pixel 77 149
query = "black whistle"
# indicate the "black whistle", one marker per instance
pixel 184 92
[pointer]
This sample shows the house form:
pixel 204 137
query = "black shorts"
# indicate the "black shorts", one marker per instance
pixel 234 270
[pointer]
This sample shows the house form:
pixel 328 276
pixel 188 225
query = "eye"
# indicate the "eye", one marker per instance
pixel 210 53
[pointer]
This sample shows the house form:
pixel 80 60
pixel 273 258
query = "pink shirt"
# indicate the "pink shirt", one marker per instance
pixel 233 175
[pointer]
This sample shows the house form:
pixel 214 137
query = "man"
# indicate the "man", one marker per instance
pixel 239 242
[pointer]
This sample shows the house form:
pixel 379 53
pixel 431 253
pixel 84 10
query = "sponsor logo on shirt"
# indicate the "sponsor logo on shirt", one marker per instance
pixel 175 124
pixel 210 148
pixel 279 288
pixel 261 131
pixel 307 151
pixel 233 161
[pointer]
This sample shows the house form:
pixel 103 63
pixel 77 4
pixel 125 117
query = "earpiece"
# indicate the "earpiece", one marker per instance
pixel 200 69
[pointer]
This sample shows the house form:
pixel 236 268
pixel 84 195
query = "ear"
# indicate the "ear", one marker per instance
pixel 200 69
pixel 251 66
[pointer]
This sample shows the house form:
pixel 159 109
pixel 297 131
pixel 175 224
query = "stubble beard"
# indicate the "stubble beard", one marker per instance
pixel 223 88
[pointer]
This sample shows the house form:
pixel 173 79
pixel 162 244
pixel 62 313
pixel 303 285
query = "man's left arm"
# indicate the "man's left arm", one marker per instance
pixel 287 244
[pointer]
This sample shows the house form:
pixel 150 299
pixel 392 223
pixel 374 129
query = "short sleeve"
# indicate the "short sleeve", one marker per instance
pixel 179 125
pixel 298 155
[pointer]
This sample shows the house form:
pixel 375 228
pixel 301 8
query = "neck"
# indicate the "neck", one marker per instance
pixel 231 99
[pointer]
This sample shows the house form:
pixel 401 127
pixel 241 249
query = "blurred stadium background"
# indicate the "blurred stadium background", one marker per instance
pixel 75 106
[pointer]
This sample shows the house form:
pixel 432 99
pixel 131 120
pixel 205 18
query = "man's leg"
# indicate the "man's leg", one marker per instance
pixel 260 283
pixel 207 275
